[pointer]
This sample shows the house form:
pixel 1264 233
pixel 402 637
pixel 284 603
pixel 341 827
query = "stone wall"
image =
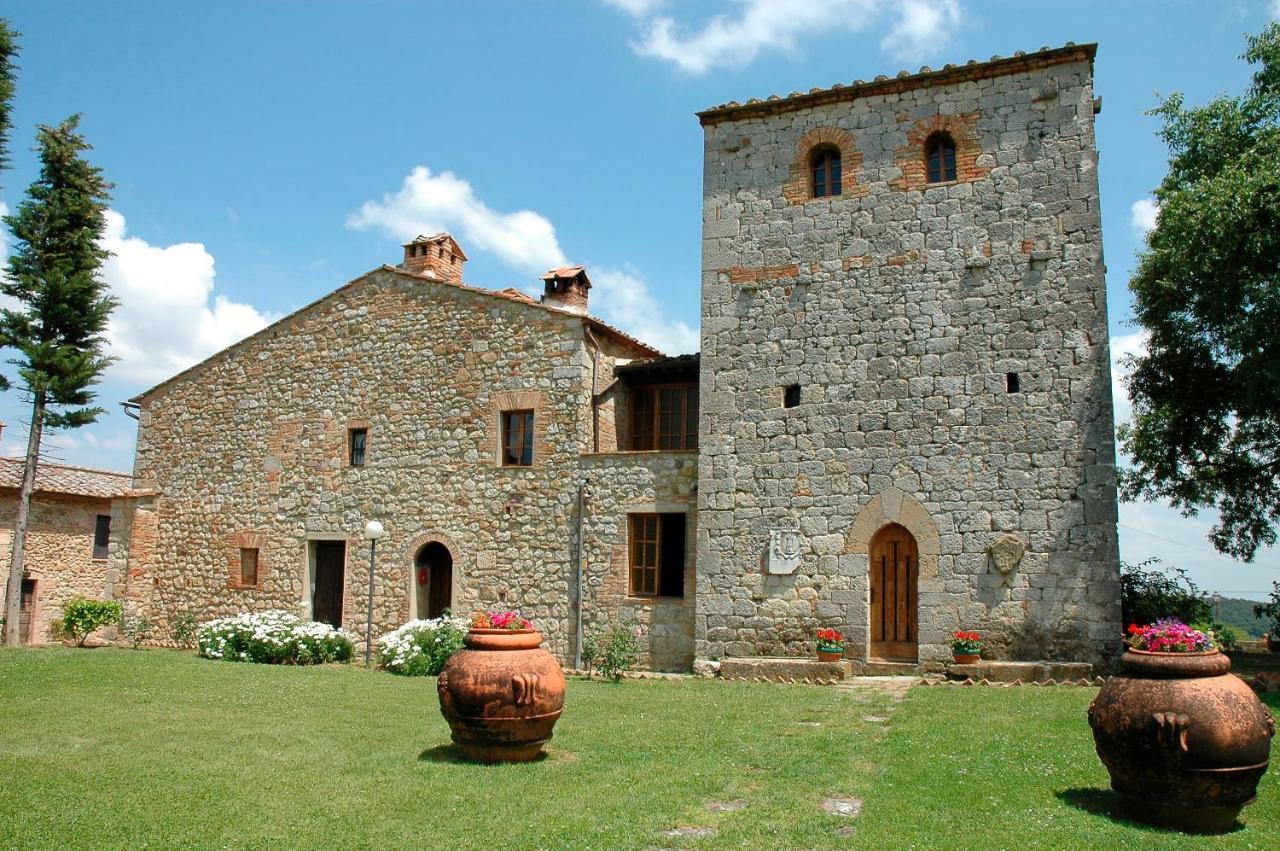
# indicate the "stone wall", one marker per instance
pixel 900 309
pixel 59 552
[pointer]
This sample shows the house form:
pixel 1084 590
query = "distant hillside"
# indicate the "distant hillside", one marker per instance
pixel 1239 613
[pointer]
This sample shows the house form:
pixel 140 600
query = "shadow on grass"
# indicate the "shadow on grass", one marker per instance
pixel 1106 803
pixel 453 754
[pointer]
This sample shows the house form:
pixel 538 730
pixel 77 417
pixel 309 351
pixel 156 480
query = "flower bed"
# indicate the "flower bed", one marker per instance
pixel 273 638
pixel 421 647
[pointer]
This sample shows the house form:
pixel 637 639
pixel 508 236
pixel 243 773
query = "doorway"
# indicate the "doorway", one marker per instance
pixel 434 580
pixel 328 581
pixel 895 572
pixel 27 611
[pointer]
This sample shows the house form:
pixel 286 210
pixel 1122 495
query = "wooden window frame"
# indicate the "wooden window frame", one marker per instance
pixel 523 441
pixel 825 157
pixel 647 419
pixel 946 171
pixel 101 550
pixel 645 574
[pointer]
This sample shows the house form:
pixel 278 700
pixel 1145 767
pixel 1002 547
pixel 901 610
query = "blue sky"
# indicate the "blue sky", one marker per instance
pixel 266 152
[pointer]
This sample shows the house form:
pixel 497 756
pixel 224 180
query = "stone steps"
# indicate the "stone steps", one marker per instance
pixel 997 671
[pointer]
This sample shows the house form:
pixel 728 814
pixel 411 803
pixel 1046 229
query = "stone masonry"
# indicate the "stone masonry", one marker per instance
pixel 950 345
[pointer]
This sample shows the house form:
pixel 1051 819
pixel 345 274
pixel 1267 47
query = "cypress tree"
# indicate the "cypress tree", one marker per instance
pixel 63 305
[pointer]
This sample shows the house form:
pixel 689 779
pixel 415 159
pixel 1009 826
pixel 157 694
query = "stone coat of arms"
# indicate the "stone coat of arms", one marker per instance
pixel 784 551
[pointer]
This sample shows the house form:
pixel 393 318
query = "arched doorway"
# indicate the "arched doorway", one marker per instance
pixel 433 580
pixel 895 574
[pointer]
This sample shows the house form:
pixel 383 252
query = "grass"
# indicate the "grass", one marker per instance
pixel 114 748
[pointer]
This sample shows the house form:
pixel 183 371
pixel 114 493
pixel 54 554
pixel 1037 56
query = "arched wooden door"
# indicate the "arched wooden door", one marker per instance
pixel 434 571
pixel 895 573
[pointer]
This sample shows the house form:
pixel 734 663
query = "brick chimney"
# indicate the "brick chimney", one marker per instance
pixel 439 255
pixel 566 289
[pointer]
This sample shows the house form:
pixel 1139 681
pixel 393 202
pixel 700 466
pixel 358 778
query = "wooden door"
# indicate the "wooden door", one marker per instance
pixel 27 611
pixel 894 575
pixel 326 596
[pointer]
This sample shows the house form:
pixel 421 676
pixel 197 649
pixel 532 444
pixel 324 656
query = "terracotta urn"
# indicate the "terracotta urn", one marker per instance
pixel 1185 742
pixel 830 655
pixel 966 658
pixel 501 695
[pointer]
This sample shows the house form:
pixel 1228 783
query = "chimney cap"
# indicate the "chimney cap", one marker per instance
pixel 568 273
pixel 439 237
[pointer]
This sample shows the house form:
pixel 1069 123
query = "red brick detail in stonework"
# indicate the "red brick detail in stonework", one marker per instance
pixel 910 158
pixel 797 189
pixel 742 275
pixel 245 540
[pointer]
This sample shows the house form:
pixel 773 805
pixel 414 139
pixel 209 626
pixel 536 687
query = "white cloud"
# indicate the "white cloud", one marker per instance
pixel 760 25
pixel 641 8
pixel 1121 348
pixel 427 203
pixel 166 321
pixel 1143 214
pixel 624 299
pixel 920 25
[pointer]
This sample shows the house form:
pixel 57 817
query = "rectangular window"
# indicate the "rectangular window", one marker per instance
pixel 248 565
pixel 791 396
pixel 357 439
pixel 657 543
pixel 102 536
pixel 664 417
pixel 517 438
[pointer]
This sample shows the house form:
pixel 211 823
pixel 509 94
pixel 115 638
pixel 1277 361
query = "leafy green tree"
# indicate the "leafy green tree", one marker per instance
pixel 62 307
pixel 1206 395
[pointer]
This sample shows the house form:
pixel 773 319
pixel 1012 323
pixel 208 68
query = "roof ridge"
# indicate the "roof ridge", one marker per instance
pixel 22 460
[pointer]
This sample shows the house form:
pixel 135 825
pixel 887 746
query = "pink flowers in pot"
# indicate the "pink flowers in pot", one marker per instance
pixel 499 620
pixel 1169 635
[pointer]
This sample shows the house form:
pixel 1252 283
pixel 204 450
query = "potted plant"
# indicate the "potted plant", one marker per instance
pixel 1271 610
pixel 1185 742
pixel 503 693
pixel 966 647
pixel 830 645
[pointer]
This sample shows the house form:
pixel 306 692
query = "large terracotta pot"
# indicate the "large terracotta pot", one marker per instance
pixel 1184 740
pixel 501 695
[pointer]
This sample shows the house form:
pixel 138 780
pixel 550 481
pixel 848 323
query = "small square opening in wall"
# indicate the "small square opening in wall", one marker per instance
pixel 1011 382
pixel 791 396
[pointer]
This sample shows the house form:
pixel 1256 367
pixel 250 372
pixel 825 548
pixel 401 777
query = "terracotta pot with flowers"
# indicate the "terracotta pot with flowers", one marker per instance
pixel 503 693
pixel 830 645
pixel 1185 742
pixel 966 647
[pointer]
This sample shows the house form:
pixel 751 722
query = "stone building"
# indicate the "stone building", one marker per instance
pixel 905 373
pixel 68 536
pixel 900 423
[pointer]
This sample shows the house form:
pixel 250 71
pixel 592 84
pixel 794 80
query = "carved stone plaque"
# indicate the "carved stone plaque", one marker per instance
pixel 784 551
pixel 1006 552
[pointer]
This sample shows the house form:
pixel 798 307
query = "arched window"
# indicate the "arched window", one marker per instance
pixel 824 163
pixel 940 158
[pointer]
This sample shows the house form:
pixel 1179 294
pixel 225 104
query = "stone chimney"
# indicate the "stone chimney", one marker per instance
pixel 566 289
pixel 438 255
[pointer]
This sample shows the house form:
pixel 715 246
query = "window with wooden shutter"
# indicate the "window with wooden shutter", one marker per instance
pixel 825 167
pixel 644 554
pixel 657 554
pixel 248 565
pixel 664 417
pixel 940 158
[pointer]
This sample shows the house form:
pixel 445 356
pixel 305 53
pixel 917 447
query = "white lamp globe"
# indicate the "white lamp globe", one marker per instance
pixel 373 530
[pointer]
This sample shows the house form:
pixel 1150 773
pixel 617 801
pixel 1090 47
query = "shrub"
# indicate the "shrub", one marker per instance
pixel 82 616
pixel 421 647
pixel 184 629
pixel 273 638
pixel 138 630
pixel 612 650
pixel 1270 611
pixel 1149 592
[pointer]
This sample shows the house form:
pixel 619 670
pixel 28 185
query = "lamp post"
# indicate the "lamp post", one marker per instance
pixel 372 531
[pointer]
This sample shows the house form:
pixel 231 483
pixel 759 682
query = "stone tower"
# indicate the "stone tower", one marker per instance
pixel 906 400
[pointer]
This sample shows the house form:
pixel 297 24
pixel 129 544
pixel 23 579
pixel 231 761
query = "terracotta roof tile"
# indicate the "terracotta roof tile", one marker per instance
pixel 60 478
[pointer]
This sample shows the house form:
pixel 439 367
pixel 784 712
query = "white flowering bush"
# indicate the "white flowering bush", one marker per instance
pixel 421 647
pixel 273 638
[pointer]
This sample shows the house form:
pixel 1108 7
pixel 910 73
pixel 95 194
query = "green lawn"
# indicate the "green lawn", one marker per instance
pixel 115 748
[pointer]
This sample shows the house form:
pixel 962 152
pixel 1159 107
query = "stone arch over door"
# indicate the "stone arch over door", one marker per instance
pixel 888 508
pixel 409 558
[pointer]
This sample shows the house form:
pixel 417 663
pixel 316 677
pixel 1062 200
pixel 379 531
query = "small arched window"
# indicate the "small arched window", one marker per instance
pixel 940 158
pixel 824 164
